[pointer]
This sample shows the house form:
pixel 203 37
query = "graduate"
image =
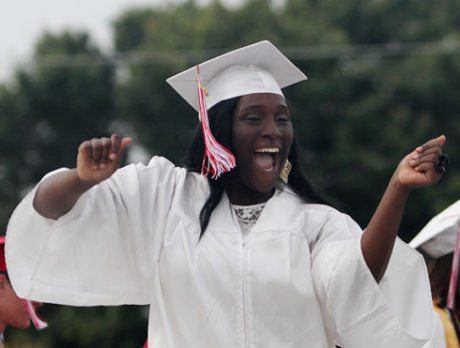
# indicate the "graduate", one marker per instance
pixel 439 242
pixel 14 311
pixel 236 248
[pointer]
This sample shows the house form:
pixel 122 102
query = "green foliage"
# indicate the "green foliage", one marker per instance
pixel 364 107
pixel 358 115
pixel 123 327
pixel 48 111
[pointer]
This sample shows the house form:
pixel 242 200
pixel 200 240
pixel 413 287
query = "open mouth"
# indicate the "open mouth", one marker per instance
pixel 266 158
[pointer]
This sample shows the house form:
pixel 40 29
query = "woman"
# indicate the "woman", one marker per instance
pixel 439 272
pixel 438 243
pixel 14 311
pixel 294 274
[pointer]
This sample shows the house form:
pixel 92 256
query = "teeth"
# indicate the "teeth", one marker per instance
pixel 268 149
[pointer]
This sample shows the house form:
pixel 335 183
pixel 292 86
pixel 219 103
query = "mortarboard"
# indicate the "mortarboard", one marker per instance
pixel 257 68
pixel 439 237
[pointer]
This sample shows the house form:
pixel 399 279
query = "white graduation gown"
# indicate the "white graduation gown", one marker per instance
pixel 299 281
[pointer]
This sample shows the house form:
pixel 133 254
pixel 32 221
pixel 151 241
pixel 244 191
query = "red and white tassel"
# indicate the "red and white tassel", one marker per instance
pixel 217 159
pixel 38 322
pixel 454 273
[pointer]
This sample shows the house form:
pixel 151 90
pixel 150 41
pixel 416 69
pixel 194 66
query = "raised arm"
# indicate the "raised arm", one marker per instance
pixel 97 160
pixel 417 169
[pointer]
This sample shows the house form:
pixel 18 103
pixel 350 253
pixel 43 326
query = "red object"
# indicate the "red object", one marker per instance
pixel 217 159
pixel 38 322
pixel 454 273
pixel 146 344
pixel 2 254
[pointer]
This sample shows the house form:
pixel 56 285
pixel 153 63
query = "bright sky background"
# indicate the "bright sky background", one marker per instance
pixel 23 21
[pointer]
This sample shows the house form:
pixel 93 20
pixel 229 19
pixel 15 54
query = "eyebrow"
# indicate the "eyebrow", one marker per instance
pixel 249 107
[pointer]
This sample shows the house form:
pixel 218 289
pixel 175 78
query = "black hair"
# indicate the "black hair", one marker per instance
pixel 221 125
pixel 5 274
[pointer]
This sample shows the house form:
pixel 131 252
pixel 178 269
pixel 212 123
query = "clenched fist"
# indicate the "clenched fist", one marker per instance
pixel 418 169
pixel 99 158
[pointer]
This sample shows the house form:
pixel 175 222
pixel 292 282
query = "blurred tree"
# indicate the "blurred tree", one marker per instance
pixel 70 327
pixel 50 108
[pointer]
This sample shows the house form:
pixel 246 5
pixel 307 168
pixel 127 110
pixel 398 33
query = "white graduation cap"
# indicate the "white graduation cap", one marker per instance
pixel 441 236
pixel 257 68
pixel 438 237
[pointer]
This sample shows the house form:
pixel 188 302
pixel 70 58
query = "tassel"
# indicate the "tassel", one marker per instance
pixel 217 159
pixel 454 273
pixel 39 323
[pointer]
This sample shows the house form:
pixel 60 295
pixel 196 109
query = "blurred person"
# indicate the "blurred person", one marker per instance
pixel 14 311
pixel 236 249
pixel 437 241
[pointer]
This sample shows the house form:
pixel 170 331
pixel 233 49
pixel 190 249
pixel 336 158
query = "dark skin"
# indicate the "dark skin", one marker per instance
pixel 261 122
pixel 12 309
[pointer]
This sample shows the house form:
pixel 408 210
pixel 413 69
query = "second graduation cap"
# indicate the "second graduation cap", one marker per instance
pixel 440 237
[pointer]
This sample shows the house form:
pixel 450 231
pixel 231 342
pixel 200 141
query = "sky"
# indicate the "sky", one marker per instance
pixel 23 21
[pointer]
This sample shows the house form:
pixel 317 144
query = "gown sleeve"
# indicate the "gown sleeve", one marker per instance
pixel 359 312
pixel 104 250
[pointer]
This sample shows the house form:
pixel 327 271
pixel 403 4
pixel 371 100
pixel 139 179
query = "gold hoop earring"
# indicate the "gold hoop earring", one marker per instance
pixel 284 175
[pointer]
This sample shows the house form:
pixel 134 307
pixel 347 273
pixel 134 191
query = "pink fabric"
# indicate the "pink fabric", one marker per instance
pixel 454 273
pixel 38 322
pixel 2 254
pixel 217 159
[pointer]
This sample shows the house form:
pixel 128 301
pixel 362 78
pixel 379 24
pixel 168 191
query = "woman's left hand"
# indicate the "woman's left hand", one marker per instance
pixel 418 169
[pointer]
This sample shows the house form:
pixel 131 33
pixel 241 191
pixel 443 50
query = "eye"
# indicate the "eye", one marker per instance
pixel 253 118
pixel 283 118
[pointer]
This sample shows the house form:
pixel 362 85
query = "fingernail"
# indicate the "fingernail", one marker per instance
pixel 112 156
pixel 102 165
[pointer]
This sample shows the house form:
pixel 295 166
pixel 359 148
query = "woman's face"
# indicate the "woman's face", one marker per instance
pixel 13 308
pixel 262 139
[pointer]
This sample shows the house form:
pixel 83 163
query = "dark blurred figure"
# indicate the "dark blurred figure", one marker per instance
pixel 437 241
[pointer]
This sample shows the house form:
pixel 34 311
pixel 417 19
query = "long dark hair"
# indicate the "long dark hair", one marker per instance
pixel 220 122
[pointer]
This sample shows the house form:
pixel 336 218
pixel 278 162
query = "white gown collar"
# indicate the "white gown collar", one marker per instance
pixel 222 219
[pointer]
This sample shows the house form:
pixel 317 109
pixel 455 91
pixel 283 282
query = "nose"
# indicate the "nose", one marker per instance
pixel 271 129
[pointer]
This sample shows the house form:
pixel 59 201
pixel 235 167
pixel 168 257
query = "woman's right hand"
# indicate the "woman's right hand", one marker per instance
pixel 99 158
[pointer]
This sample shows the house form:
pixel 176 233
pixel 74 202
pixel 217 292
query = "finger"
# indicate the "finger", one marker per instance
pixel 436 142
pixel 115 140
pixel 106 146
pixel 96 146
pixel 441 139
pixel 426 167
pixel 85 150
pixel 432 155
pixel 430 158
pixel 121 146
pixel 125 142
